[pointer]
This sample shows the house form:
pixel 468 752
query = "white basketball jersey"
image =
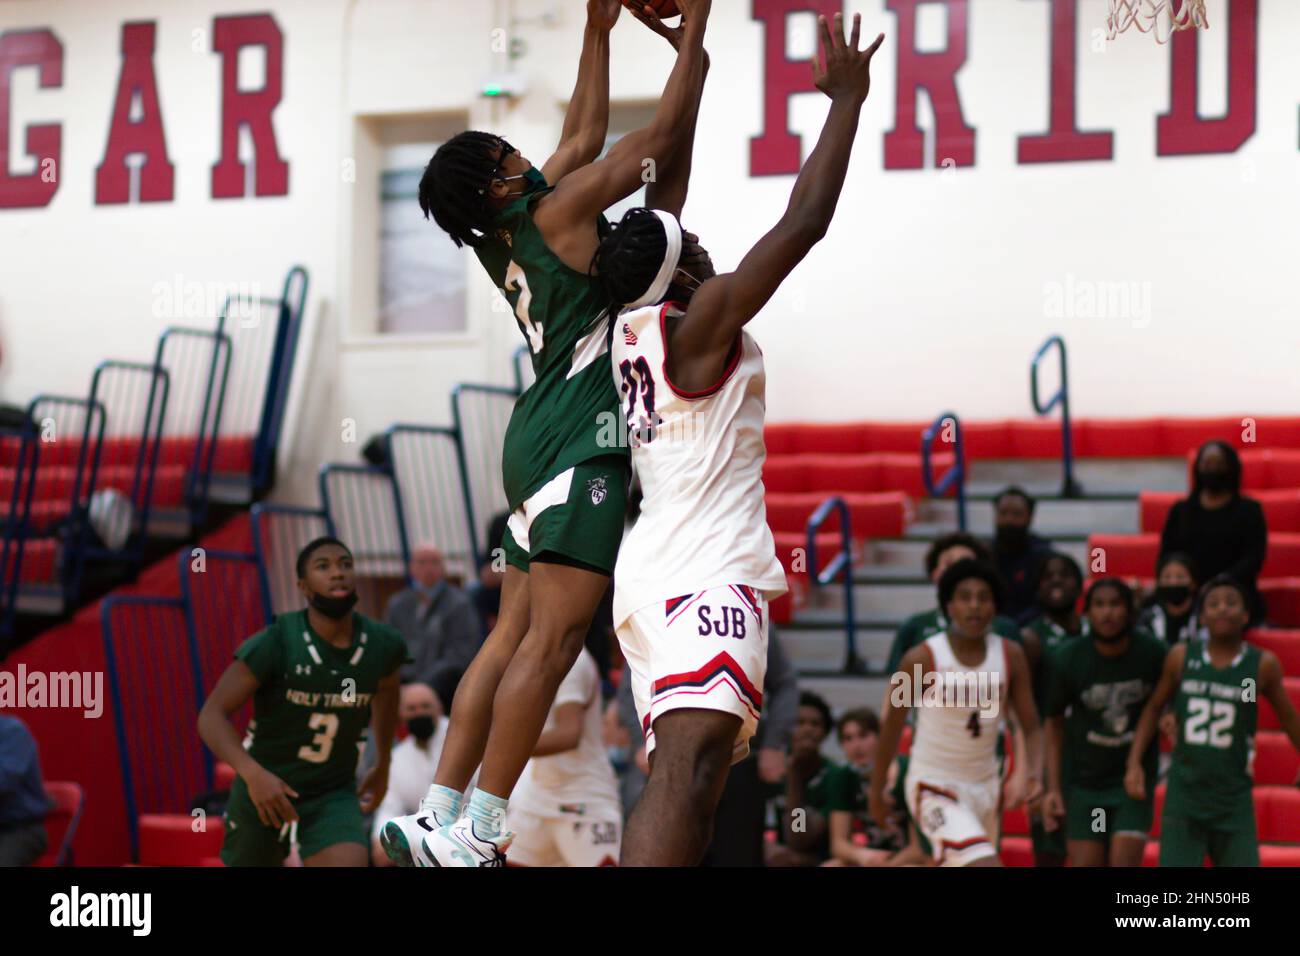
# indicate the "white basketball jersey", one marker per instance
pixel 960 713
pixel 699 458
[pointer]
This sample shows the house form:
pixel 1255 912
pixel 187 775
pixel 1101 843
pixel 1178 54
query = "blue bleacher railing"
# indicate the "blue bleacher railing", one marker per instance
pixel 480 414
pixel 16 526
pixel 294 298
pixel 428 466
pixel 955 477
pixel 357 500
pixel 1069 487
pixel 840 565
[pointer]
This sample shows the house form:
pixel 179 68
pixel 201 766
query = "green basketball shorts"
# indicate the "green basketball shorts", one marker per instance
pixel 577 518
pixel 323 820
pixel 1098 815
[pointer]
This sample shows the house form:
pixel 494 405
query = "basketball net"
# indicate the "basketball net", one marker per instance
pixel 1164 18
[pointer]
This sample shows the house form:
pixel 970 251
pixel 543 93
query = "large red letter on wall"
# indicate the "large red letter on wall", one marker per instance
pixel 252 109
pixel 937 73
pixel 777 151
pixel 1063 142
pixel 41 49
pixel 146 136
pixel 1181 131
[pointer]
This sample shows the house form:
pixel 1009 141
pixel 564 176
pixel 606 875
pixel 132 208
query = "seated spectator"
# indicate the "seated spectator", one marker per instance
pixel 1016 550
pixel 803 834
pixel 944 552
pixel 1219 529
pixel 1170 614
pixel 441 627
pixel 486 591
pixel 856 839
pixel 23 803
pixel 414 760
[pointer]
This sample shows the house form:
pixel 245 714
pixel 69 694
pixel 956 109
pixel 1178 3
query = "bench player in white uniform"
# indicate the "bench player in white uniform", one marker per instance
pixel 954 781
pixel 565 809
pixel 698 568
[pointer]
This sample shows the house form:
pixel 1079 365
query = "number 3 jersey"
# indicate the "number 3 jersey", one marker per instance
pixel 1217 712
pixel 312 709
pixel 699 458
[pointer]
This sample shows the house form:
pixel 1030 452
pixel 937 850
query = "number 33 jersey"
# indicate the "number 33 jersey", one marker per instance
pixel 313 705
pixel 699 458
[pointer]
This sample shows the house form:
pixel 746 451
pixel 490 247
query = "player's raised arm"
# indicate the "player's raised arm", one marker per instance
pixel 671 182
pixel 1135 782
pixel 725 303
pixel 587 192
pixel 269 793
pixel 586 122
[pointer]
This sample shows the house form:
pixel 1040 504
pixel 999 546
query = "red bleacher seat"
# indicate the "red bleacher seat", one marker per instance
pixel 1017 851
pixel 1104 438
pixel 1151 854
pixel 1279 856
pixel 882 515
pixel 1015 822
pixel 1158 810
pixel 1134 555
pixel 1282 596
pixel 1267 715
pixel 40 560
pixel 224 776
pixel 1282 642
pixel 1276 761
pixel 168 839
pixel 1277 814
pixel 905 741
pixel 61 822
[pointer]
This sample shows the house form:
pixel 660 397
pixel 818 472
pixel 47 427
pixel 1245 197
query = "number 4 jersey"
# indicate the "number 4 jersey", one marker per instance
pixel 1217 712
pixel 313 706
pixel 699 458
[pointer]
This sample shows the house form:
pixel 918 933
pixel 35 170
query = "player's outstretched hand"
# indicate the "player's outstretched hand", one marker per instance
pixel 674 35
pixel 1135 783
pixel 694 10
pixel 373 787
pixel 603 14
pixel 271 796
pixel 842 70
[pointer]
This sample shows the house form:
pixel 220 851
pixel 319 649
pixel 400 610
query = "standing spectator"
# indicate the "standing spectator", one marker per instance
pixel 944 552
pixel 739 821
pixel 439 622
pixel 1171 612
pixel 1218 528
pixel 804 833
pixel 23 803
pixel 414 760
pixel 1016 550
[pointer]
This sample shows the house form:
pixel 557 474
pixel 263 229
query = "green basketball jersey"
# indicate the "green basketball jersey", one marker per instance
pixel 312 709
pixel 1051 637
pixel 1102 698
pixel 571 412
pixel 1217 713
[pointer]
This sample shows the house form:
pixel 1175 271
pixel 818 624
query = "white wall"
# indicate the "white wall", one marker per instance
pixel 931 290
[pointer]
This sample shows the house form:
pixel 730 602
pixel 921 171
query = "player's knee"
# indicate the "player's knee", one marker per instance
pixel 695 748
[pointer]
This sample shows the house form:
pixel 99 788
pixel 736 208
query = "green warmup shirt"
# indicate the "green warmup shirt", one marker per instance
pixel 846 789
pixel 571 412
pixel 1209 773
pixel 313 706
pixel 1101 698
pixel 919 627
pixel 1051 637
pixel 816 796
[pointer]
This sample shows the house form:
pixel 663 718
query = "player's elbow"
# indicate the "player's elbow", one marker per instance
pixel 807 230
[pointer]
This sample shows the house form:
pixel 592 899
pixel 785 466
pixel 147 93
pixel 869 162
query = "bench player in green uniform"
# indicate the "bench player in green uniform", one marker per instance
pixel 1214 683
pixel 1097 686
pixel 315 677
pixel 1058 584
pixel 565 470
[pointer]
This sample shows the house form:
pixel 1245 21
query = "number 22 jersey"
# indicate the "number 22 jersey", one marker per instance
pixel 699 458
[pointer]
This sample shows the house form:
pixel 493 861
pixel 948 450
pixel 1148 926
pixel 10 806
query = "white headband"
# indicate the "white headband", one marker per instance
pixel 672 257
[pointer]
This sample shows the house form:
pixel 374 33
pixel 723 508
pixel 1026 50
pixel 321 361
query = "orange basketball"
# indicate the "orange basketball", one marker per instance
pixel 665 8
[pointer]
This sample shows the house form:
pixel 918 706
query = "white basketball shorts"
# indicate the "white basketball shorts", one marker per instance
pixel 705 651
pixel 960 819
pixel 581 840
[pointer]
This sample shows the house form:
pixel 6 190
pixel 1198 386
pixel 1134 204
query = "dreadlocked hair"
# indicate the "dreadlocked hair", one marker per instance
pixel 628 259
pixel 450 187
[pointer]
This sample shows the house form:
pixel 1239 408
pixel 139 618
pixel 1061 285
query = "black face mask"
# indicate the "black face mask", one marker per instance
pixel 1098 636
pixel 336 609
pixel 1215 481
pixel 1173 593
pixel 421 728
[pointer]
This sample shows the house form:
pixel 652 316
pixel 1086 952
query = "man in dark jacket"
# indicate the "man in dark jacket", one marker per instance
pixel 438 619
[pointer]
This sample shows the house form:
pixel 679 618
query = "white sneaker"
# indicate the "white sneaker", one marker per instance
pixel 403 837
pixel 461 845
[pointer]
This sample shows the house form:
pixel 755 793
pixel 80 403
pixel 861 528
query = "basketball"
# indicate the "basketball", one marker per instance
pixel 665 8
